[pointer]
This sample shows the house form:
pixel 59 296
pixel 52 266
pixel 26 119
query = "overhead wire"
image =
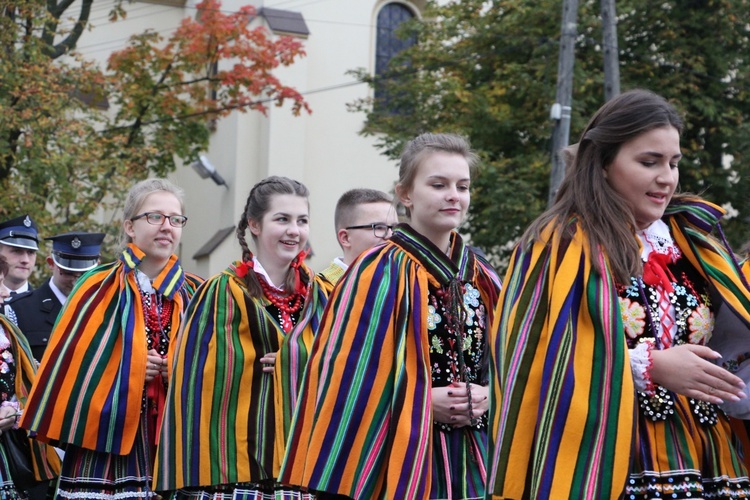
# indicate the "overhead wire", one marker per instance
pixel 98 46
pixel 589 40
pixel 285 3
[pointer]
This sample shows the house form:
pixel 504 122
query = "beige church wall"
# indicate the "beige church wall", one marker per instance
pixel 323 150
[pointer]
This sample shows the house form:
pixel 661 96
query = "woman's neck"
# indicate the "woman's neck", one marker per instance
pixel 442 241
pixel 151 267
pixel 276 273
pixel 440 238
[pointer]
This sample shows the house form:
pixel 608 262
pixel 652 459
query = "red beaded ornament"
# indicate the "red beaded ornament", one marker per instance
pixel 157 318
pixel 279 299
pixel 287 304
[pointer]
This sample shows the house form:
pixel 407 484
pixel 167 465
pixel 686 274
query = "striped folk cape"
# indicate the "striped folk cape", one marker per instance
pixel 363 426
pixel 291 361
pixel 90 383
pixel 220 422
pixel 45 461
pixel 563 410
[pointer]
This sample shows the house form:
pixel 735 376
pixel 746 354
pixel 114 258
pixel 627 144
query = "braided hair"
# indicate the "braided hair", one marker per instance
pixel 257 205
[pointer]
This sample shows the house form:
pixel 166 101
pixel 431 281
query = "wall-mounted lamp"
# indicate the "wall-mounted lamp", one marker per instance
pixel 204 168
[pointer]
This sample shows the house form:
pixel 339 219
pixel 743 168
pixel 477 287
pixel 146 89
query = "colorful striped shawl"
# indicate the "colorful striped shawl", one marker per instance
pixel 90 383
pixel 44 459
pixel 691 223
pixel 291 361
pixel 220 419
pixel 563 414
pixel 363 424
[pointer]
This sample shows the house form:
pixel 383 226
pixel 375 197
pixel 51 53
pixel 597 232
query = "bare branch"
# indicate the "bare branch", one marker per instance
pixel 56 10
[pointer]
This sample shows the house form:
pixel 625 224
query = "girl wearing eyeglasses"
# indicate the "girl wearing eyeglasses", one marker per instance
pixel 102 382
pixel 394 399
pixel 227 411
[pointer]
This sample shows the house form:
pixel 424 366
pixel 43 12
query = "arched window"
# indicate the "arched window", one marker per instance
pixel 388 43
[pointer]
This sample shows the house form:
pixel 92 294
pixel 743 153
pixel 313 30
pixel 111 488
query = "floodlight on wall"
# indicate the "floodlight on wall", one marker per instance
pixel 205 169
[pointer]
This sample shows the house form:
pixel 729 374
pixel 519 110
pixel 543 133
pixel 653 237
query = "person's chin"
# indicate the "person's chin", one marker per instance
pixel 655 216
pixel 163 251
pixel 451 223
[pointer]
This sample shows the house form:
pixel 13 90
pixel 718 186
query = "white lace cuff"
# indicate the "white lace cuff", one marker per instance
pixel 640 364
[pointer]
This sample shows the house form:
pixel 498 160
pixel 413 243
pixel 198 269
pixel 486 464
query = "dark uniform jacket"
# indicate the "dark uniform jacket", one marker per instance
pixel 36 312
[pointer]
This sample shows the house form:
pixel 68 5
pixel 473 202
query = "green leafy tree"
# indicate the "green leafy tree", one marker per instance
pixel 488 70
pixel 64 159
pixel 695 54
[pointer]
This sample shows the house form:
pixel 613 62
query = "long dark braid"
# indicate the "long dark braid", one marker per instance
pixel 256 206
pixel 251 280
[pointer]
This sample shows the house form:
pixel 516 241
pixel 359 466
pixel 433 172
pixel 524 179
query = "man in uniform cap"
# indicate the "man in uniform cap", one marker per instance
pixel 36 311
pixel 19 240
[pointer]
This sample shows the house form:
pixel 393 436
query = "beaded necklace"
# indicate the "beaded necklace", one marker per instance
pixel 287 304
pixel 453 295
pixel 157 315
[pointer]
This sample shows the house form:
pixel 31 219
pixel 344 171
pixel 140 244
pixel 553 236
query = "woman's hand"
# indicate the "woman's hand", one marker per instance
pixel 450 405
pixel 8 416
pixel 155 365
pixel 268 360
pixel 685 369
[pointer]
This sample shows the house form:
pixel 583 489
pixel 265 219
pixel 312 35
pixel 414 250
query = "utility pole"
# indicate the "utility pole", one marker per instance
pixel 611 52
pixel 561 109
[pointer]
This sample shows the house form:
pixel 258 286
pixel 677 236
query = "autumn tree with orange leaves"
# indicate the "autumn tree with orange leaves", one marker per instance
pixel 64 156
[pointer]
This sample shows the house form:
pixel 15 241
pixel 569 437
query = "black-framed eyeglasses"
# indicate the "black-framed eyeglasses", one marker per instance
pixel 157 219
pixel 379 230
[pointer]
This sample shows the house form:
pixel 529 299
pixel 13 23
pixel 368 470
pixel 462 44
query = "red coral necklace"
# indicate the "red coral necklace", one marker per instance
pixel 158 313
pixel 287 304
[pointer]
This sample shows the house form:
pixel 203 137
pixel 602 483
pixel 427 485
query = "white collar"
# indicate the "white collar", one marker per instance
pixel 144 282
pixel 60 296
pixel 657 238
pixel 339 261
pixel 258 268
pixel 21 289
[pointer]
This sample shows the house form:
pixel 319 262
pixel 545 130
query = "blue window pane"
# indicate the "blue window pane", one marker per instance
pixel 388 43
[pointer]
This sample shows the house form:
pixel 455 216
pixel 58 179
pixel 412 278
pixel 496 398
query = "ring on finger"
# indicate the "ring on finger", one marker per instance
pixel 711 390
